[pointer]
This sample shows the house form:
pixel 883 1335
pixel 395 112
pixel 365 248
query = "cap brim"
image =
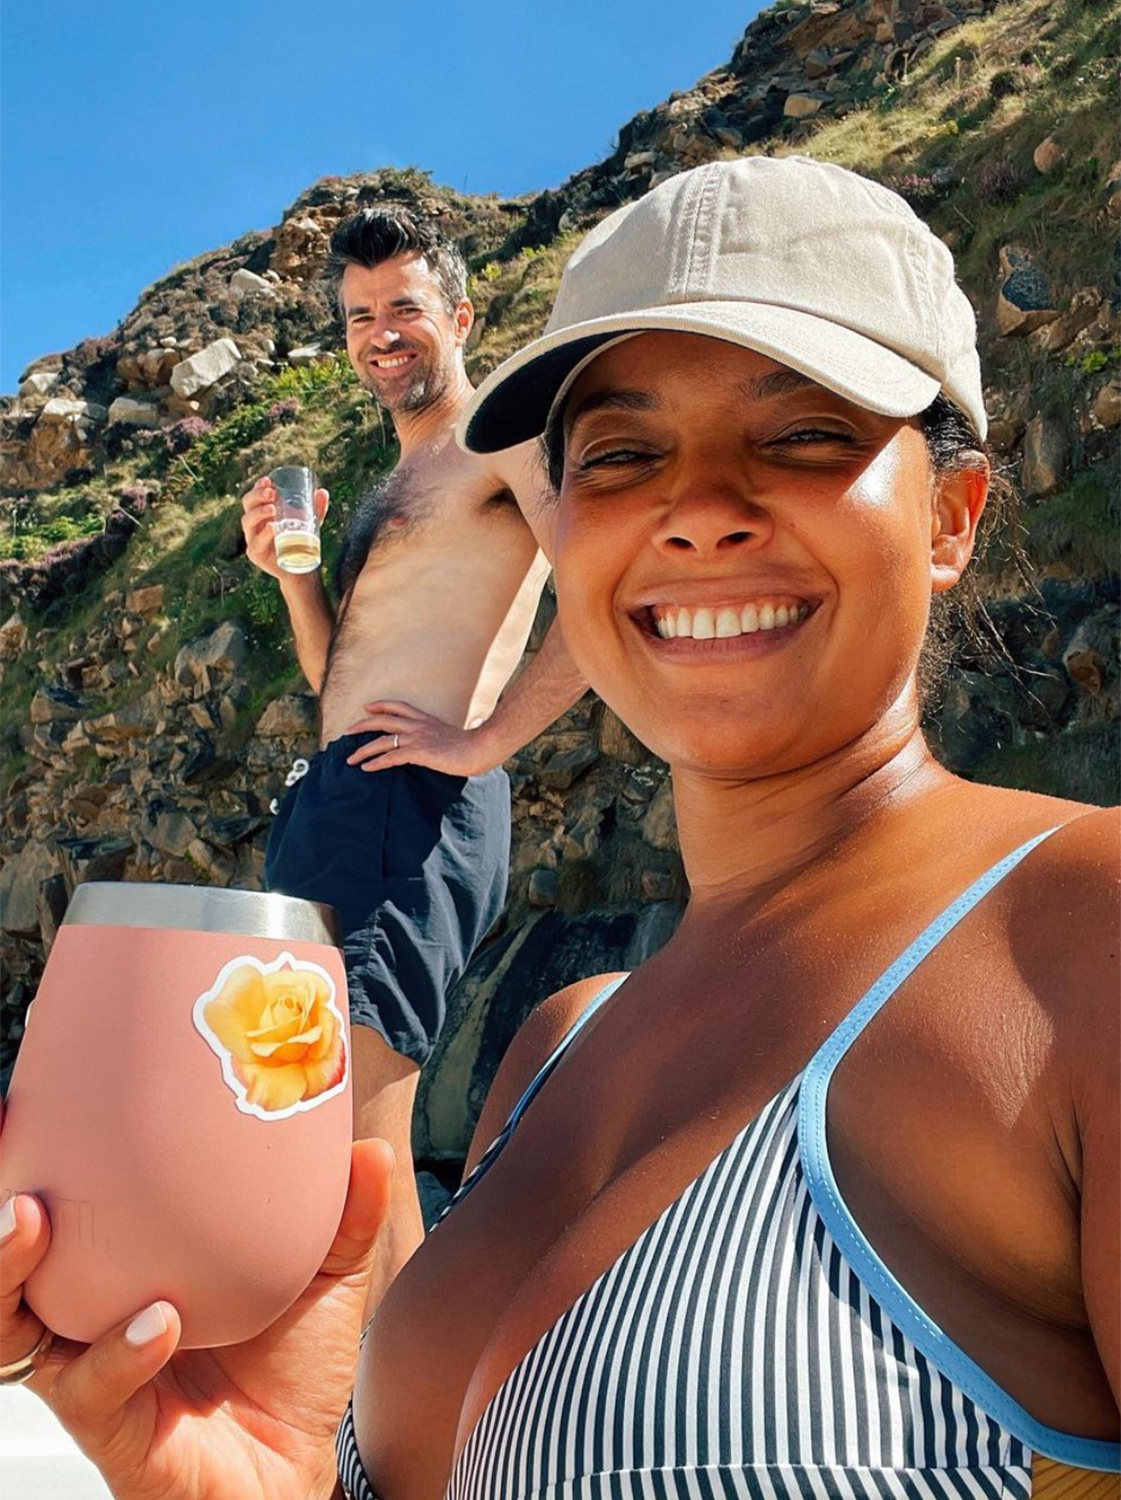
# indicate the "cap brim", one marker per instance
pixel 513 403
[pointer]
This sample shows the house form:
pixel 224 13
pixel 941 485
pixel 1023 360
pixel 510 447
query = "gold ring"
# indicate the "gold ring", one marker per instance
pixel 396 742
pixel 22 1369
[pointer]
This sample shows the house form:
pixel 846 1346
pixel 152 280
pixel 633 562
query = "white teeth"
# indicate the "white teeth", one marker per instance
pixel 726 622
pixel 704 626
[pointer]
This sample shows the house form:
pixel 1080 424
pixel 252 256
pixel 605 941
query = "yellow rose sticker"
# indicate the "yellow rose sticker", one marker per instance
pixel 278 1033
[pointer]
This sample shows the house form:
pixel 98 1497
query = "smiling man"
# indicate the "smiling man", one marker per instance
pixel 402 820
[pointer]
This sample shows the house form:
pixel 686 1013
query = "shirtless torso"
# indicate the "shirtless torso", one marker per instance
pixel 439 583
pixel 972 1062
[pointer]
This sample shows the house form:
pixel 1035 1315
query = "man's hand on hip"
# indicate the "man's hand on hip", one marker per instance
pixel 406 736
pixel 259 511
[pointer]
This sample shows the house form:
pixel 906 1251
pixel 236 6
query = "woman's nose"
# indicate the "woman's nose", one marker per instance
pixel 711 522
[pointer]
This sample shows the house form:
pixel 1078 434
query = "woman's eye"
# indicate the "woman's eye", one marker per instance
pixel 614 458
pixel 805 435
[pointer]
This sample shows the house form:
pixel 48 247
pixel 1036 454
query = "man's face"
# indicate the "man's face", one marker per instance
pixel 401 337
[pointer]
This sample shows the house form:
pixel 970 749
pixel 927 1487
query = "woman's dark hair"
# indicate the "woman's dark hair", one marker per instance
pixel 375 235
pixel 953 444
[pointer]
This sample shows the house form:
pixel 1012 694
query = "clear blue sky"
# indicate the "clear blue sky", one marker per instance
pixel 134 134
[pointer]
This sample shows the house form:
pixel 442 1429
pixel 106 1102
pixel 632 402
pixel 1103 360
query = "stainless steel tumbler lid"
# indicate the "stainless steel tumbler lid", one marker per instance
pixel 198 908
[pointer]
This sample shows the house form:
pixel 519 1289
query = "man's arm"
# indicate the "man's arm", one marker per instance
pixel 550 683
pixel 309 609
pixel 312 620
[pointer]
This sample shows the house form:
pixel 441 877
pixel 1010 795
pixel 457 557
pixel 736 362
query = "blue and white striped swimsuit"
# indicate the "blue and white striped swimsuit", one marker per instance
pixel 750 1342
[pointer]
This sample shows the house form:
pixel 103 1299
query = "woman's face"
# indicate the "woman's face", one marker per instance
pixel 744 561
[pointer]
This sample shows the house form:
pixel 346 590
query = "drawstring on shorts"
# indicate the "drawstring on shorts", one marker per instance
pixel 299 769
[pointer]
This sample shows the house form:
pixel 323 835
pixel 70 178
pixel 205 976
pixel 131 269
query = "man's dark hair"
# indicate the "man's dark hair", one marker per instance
pixel 374 235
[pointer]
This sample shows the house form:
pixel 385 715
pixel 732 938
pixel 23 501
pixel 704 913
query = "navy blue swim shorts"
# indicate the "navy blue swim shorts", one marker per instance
pixel 415 862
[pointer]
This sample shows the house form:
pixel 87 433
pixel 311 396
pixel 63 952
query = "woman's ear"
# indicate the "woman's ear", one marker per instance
pixel 959 499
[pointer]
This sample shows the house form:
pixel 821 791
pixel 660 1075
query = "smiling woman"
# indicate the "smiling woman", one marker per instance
pixel 822 1201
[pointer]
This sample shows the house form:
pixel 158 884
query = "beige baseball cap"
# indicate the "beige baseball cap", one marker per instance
pixel 806 262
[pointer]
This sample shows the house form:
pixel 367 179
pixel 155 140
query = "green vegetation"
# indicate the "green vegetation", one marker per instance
pixel 1078 527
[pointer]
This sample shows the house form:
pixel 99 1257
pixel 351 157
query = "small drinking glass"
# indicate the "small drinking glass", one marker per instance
pixel 296 528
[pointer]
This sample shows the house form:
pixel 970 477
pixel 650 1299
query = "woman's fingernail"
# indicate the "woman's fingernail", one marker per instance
pixel 146 1326
pixel 7 1219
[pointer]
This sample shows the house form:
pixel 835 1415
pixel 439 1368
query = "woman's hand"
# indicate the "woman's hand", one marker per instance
pixel 254 1421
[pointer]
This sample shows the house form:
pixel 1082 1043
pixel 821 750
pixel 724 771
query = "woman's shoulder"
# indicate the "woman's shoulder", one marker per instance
pixel 1064 914
pixel 537 1039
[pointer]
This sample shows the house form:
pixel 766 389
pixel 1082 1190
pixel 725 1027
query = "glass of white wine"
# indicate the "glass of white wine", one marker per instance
pixel 296 528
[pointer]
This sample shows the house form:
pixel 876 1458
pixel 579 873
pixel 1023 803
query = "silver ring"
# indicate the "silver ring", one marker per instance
pixel 20 1370
pixel 396 742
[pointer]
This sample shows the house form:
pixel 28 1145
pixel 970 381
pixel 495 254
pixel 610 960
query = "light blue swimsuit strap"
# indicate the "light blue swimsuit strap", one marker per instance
pixel 558 1052
pixel 904 1311
pixel 498 1145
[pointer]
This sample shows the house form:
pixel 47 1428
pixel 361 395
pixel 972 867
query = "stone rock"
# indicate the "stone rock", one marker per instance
pixel 1113 192
pixel 219 868
pixel 168 829
pixel 53 901
pixel 248 283
pixel 1083 310
pixel 1105 410
pixel 94 858
pixel 148 369
pixel 38 383
pixel 658 885
pixel 818 62
pixel 54 705
pixel 1024 301
pixel 301 247
pixel 293 716
pixel 1046 453
pixel 20 879
pixel 802 106
pixel 1087 657
pixel 51 362
pixel 1048 156
pixel 659 826
pixel 66 409
pixel 13 638
pixel 131 413
pixel 203 369
pixel 223 650
pixel 618 743
pixel 562 769
pixel 145 601
pixel 308 354
pixel 1003 435
pixel 128 722
pixel 543 889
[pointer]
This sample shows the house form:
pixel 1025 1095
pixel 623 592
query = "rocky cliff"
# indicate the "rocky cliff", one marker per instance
pixel 151 706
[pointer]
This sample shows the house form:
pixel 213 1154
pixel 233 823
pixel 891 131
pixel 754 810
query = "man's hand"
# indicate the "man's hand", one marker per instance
pixel 259 511
pixel 406 736
pixel 254 1420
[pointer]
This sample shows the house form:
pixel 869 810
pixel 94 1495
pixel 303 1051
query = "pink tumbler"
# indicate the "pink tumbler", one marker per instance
pixel 181 1104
